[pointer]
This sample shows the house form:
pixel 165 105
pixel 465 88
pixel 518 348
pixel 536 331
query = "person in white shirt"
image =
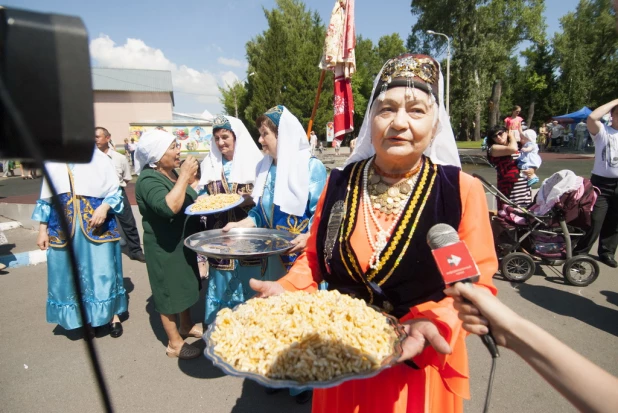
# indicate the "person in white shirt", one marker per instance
pixel 132 148
pixel 605 177
pixel 581 132
pixel 123 170
pixel 313 141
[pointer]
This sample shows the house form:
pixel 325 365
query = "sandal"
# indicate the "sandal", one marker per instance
pixel 196 331
pixel 186 352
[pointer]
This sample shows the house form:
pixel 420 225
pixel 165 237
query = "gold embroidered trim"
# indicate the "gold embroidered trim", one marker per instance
pixel 413 211
pixel 403 225
pixel 352 196
pixel 411 232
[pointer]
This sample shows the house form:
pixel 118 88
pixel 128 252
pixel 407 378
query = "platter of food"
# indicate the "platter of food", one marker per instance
pixel 240 243
pixel 304 340
pixel 213 204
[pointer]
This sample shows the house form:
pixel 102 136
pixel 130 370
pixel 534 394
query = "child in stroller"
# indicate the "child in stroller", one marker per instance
pixel 544 231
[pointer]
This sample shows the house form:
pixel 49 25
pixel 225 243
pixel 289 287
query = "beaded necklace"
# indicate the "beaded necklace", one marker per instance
pixel 381 238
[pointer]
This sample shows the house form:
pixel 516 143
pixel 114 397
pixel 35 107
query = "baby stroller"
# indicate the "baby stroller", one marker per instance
pixel 545 230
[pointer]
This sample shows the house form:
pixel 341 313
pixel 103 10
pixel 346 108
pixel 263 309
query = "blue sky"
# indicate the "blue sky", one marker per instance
pixel 203 42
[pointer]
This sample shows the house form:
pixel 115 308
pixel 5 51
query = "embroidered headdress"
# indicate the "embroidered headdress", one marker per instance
pixel 412 71
pixel 221 122
pixel 274 114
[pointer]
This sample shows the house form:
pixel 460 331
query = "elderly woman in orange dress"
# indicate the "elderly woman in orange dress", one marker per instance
pixel 368 240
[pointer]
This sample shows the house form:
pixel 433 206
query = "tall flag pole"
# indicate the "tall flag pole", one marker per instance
pixel 339 57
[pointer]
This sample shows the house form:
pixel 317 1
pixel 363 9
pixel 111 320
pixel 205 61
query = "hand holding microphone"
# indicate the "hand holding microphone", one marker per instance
pixel 456 265
pixel 480 310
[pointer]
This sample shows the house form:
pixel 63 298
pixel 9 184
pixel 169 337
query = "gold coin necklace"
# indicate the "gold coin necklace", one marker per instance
pixel 398 200
pixel 389 199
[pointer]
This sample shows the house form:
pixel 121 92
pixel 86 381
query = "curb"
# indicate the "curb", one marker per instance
pixel 7 226
pixel 23 259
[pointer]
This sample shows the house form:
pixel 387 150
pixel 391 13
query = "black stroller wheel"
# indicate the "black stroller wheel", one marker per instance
pixel 580 270
pixel 517 267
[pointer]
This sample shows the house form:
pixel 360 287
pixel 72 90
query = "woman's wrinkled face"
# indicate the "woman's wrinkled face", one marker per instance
pixel 171 159
pixel 225 141
pixel 402 127
pixel 268 140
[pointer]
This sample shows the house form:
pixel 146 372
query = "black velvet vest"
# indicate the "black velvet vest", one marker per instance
pixel 408 275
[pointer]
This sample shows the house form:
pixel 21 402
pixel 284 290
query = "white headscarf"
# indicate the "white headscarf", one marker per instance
pixel 293 153
pixel 246 157
pixel 97 178
pixel 151 147
pixel 442 150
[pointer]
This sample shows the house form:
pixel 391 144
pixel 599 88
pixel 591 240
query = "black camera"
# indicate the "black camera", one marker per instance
pixel 46 80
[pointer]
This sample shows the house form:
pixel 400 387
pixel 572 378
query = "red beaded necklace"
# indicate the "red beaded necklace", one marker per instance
pixel 408 174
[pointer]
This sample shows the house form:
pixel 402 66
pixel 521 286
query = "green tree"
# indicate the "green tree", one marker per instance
pixel 390 46
pixel 233 98
pixel 285 60
pixel 485 34
pixel 587 54
pixel 537 83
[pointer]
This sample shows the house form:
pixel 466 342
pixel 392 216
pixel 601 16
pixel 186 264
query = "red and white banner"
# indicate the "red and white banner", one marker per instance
pixel 339 57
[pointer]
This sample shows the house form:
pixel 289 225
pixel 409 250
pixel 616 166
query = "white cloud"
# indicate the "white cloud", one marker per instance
pixel 230 62
pixel 229 78
pixel 135 54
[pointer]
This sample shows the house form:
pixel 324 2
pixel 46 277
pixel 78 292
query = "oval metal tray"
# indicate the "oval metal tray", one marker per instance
pixel 228 369
pixel 214 211
pixel 240 243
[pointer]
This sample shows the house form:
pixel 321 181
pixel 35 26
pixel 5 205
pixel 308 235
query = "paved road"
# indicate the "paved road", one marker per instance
pixel 45 369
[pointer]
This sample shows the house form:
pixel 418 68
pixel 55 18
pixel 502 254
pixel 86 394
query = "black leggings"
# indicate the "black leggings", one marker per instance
pixel 604 219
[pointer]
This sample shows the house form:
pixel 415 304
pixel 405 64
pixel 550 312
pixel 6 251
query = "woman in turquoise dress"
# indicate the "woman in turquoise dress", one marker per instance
pixel 286 192
pixel 229 168
pixel 90 195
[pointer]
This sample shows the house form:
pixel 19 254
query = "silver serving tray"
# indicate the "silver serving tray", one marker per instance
pixel 240 243
pixel 214 211
pixel 228 369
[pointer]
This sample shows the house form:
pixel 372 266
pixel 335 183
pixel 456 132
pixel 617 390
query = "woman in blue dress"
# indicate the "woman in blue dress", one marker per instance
pixel 286 192
pixel 229 168
pixel 288 185
pixel 90 195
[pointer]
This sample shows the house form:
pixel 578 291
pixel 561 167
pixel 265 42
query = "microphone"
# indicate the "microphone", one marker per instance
pixel 456 264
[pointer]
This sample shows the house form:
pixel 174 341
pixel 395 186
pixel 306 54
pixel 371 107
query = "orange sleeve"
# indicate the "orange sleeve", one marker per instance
pixel 475 231
pixel 305 274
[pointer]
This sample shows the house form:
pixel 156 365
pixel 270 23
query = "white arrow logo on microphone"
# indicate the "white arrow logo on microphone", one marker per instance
pixel 453 260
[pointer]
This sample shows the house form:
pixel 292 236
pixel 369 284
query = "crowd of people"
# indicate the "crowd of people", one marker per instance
pixel 361 231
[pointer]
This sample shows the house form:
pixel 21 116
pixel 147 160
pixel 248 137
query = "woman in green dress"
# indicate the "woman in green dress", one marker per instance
pixel 162 195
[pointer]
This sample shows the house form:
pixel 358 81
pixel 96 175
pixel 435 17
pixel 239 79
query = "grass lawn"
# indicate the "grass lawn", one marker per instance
pixel 469 144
